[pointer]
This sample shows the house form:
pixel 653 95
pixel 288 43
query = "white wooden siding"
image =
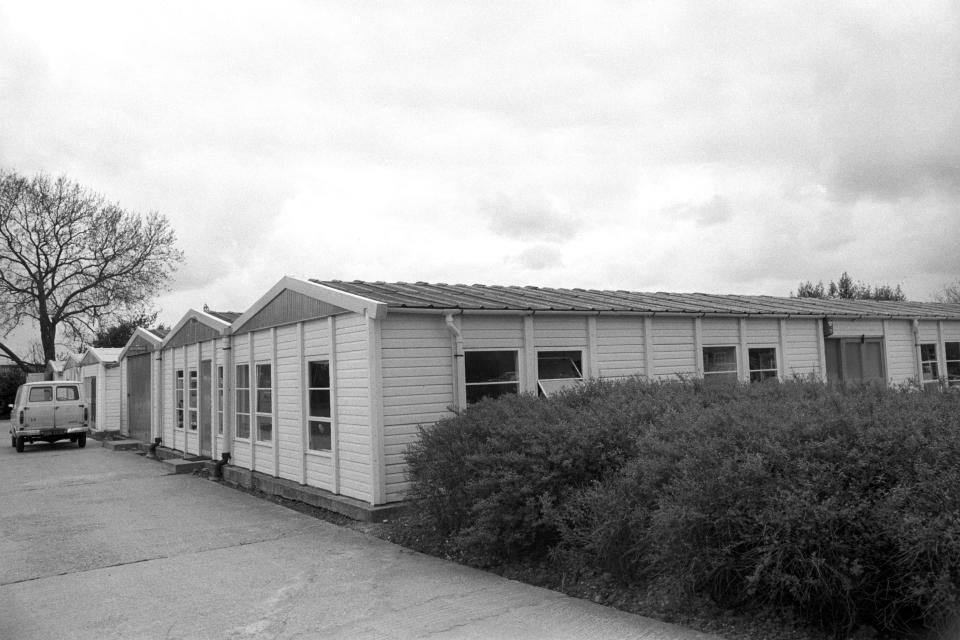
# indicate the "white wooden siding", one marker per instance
pixel 124 404
pixel 762 331
pixel 901 359
pixel 492 333
pixel 620 347
pixel 288 394
pixel 560 332
pixel 353 407
pixel 856 328
pixel 673 347
pixel 418 378
pixel 803 352
pixel 721 331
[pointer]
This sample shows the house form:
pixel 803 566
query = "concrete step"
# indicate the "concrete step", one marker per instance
pixel 180 465
pixel 121 445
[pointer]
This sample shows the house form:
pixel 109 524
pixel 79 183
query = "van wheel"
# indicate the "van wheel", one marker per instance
pixel 19 445
pixel 82 440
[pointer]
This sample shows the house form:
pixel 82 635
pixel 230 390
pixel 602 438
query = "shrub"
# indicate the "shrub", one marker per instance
pixel 10 379
pixel 842 504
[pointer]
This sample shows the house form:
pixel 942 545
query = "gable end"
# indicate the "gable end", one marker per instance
pixel 192 332
pixel 289 307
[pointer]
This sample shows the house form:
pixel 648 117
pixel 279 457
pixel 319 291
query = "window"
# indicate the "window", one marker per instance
pixel 763 364
pixel 220 400
pixel 179 399
pixel 318 398
pixel 953 363
pixel 929 365
pixel 68 393
pixel 558 370
pixel 243 401
pixel 192 399
pixel 264 403
pixel 41 394
pixel 490 374
pixel 720 364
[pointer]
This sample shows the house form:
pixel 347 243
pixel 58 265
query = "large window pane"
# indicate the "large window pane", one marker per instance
pixel 243 426
pixel 763 364
pixel 41 394
pixel 243 376
pixel 264 428
pixel 319 403
pixel 556 365
pixel 490 374
pixel 319 374
pixel 319 435
pixel 264 401
pixel 263 376
pixel 720 364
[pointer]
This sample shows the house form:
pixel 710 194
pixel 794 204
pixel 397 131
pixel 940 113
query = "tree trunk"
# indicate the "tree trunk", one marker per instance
pixel 48 339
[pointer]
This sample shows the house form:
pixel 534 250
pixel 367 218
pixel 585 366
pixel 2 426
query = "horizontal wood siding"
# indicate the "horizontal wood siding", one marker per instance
pixel 803 354
pixel 620 347
pixel 288 397
pixel 720 331
pixel 560 332
pixel 951 331
pixel 929 331
pixel 417 387
pixel 673 351
pixel 857 328
pixel 124 401
pixel 492 333
pixel 762 331
pixel 353 407
pixel 901 352
pixel 166 397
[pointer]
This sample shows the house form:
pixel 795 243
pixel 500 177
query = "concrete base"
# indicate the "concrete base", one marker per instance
pixel 121 445
pixel 290 490
pixel 105 434
pixel 180 465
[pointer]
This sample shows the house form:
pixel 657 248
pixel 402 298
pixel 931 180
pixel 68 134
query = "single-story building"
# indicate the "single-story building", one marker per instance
pixel 191 364
pixel 138 375
pixel 325 383
pixel 99 370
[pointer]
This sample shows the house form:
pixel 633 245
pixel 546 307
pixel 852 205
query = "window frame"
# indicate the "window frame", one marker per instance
pixel 243 418
pixel 317 419
pixel 193 399
pixel 765 374
pixel 560 384
pixel 728 376
pixel 262 418
pixel 178 396
pixel 953 378
pixel 220 392
pixel 515 383
pixel 932 363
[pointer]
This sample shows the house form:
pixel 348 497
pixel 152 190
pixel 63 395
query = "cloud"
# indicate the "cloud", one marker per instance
pixel 715 211
pixel 540 257
pixel 528 217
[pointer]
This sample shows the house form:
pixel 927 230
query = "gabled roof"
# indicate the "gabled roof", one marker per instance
pixel 144 337
pixel 56 366
pixel 101 355
pixel 293 293
pixel 226 316
pixel 215 324
pixel 460 297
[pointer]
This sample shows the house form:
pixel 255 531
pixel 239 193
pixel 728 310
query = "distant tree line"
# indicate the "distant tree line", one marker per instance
pixel 846 289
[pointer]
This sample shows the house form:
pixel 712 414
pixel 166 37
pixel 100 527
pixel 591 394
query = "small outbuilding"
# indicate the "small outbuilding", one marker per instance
pixel 325 383
pixel 99 370
pixel 138 378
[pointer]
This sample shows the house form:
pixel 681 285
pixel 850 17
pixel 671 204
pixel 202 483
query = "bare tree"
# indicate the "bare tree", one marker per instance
pixel 69 259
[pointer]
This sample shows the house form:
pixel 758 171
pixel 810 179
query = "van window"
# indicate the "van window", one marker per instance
pixel 41 394
pixel 68 393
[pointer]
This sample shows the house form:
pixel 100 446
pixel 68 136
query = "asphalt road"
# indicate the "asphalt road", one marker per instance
pixel 102 544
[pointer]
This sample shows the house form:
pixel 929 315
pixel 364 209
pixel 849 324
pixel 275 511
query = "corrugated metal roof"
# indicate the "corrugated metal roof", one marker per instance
pixel 226 316
pixel 477 297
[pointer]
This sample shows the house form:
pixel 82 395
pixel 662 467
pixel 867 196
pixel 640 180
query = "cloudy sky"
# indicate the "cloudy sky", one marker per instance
pixel 726 147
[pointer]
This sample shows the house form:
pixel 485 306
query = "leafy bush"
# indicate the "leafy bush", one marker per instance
pixel 842 504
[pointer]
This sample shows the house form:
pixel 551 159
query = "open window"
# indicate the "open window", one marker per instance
pixel 929 365
pixel 953 363
pixel 720 364
pixel 558 370
pixel 490 374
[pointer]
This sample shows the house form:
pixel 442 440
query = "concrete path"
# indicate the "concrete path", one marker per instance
pixel 101 544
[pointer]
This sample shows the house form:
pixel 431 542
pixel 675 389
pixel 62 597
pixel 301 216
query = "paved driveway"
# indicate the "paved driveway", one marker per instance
pixel 102 544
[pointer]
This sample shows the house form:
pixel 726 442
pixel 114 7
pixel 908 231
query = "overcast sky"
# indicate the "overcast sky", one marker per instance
pixel 705 146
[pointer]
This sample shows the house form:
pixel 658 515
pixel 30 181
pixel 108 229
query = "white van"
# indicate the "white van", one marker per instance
pixel 47 412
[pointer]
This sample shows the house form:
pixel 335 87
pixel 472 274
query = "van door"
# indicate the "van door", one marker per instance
pixel 38 412
pixel 69 409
